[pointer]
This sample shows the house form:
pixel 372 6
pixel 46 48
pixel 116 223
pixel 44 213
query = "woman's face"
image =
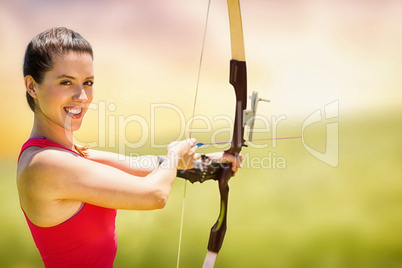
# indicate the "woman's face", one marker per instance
pixel 65 93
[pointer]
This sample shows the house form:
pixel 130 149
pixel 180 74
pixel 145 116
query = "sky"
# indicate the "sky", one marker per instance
pixel 302 55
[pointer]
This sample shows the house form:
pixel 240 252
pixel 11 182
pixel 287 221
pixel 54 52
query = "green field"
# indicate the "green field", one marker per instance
pixel 308 214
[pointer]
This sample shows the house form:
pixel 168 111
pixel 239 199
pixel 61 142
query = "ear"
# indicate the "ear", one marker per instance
pixel 30 86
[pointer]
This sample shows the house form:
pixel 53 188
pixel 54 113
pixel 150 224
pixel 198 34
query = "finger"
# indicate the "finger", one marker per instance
pixel 234 169
pixel 236 163
pixel 172 144
pixel 192 150
pixel 240 160
pixel 192 141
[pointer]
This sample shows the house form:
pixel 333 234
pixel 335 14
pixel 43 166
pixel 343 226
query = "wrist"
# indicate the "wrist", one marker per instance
pixel 172 159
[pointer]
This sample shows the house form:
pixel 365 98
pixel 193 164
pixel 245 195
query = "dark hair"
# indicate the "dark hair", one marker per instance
pixel 44 47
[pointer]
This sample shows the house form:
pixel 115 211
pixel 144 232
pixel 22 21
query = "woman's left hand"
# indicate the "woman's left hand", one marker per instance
pixel 227 157
pixel 188 162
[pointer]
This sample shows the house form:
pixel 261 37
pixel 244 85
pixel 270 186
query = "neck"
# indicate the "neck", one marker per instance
pixel 53 132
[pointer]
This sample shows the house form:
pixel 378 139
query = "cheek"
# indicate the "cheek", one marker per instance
pixel 56 93
pixel 90 95
pixel 50 97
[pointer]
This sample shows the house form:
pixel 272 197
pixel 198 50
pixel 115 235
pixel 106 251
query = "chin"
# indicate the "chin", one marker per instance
pixel 74 126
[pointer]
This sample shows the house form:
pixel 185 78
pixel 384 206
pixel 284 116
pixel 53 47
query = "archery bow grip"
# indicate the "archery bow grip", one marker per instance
pixel 205 169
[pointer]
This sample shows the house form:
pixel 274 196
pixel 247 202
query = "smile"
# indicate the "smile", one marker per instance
pixel 75 112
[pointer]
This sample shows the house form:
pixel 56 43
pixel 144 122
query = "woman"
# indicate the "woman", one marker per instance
pixel 69 194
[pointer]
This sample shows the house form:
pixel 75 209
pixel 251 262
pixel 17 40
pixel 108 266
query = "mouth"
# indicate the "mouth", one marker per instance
pixel 74 112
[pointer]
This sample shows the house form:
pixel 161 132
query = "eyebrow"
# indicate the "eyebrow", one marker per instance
pixel 72 77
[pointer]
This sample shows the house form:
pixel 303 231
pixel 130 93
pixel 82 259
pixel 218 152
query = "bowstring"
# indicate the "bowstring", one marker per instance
pixel 190 131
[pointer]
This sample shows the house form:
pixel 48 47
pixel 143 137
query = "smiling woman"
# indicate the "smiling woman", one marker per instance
pixel 69 194
pixel 64 92
pixel 40 53
pixel 71 211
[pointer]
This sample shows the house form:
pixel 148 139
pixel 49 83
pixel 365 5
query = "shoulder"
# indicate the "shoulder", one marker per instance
pixel 40 168
pixel 42 174
pixel 36 159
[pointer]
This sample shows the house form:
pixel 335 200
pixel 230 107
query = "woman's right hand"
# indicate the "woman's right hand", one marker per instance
pixel 183 151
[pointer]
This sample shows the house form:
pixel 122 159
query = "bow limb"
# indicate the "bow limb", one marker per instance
pixel 218 231
pixel 238 74
pixel 236 31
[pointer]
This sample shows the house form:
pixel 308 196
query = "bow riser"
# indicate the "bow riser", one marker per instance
pixel 238 79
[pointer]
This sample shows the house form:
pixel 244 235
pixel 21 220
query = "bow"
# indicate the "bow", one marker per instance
pixel 210 169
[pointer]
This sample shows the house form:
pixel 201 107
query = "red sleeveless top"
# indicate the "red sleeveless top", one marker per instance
pixel 87 239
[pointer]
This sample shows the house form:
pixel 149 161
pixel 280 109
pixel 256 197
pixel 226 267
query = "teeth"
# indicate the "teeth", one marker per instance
pixel 73 111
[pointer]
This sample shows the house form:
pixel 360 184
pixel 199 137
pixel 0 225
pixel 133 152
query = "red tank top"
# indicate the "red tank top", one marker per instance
pixel 87 239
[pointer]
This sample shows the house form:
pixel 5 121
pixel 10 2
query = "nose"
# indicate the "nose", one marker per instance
pixel 82 95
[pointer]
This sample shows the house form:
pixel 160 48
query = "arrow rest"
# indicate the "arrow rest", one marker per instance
pixel 249 115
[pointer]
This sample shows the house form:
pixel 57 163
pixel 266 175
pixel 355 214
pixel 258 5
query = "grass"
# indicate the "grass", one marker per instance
pixel 305 215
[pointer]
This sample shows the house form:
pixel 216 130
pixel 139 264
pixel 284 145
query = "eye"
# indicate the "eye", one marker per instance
pixel 89 83
pixel 66 83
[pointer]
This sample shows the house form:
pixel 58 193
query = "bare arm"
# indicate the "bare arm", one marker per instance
pixel 137 166
pixel 54 174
